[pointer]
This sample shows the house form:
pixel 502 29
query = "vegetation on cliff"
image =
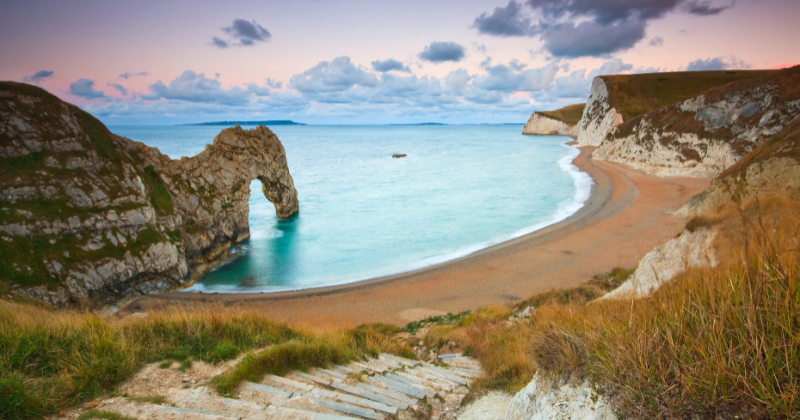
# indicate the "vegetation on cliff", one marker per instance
pixel 570 114
pixel 636 94
pixel 89 217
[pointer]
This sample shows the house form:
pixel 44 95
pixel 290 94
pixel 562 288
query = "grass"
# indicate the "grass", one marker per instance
pixel 50 360
pixel 637 94
pixel 570 114
pixel 159 196
pixel 712 343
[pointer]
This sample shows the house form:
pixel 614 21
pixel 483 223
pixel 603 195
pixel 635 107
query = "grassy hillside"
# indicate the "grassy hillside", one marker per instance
pixel 636 94
pixel 569 114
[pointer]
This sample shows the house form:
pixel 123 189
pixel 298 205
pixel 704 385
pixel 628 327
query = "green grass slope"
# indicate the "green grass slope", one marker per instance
pixel 636 94
pixel 570 114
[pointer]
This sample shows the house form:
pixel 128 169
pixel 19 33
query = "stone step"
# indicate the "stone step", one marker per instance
pixel 387 363
pixel 350 399
pixel 347 408
pixel 204 400
pixel 400 360
pixel 443 374
pixel 263 394
pixel 369 367
pixel 390 393
pixel 331 373
pixel 311 379
pixel 282 413
pixel 428 389
pixel 464 373
pixel 288 383
pixel 437 384
pixel 152 411
pixel 345 369
pixel 400 387
pixel 361 393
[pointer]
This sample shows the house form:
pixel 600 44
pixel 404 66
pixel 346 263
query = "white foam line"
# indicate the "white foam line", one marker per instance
pixel 583 188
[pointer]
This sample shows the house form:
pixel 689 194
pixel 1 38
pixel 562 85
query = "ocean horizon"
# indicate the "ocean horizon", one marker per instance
pixel 363 214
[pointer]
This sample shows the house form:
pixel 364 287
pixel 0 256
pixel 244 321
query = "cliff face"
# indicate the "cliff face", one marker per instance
pixel 759 186
pixel 599 117
pixel 87 216
pixel 704 135
pixel 561 122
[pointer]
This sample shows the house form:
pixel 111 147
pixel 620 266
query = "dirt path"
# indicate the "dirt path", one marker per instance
pixel 627 215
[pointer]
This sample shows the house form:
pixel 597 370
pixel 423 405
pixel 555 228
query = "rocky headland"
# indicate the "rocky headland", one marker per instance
pixel 561 122
pixel 88 217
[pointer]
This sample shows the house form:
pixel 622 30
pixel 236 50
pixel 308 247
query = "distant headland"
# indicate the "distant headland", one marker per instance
pixel 267 123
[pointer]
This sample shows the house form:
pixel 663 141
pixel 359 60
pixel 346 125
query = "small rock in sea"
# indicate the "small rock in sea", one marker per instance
pixel 399 155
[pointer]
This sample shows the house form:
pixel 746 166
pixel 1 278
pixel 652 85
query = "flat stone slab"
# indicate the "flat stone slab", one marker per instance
pixel 401 360
pixel 395 395
pixel 363 402
pixel 346 408
pixel 289 383
pixel 332 373
pixel 430 391
pixel 369 395
pixel 401 387
pixel 443 374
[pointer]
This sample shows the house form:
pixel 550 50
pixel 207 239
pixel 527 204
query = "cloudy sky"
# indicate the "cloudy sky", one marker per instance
pixel 360 61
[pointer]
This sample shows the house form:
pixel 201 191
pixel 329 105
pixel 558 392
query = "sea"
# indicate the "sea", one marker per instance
pixel 364 214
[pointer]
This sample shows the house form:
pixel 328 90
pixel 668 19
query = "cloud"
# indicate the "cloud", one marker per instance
pixel 38 76
pixel 258 90
pixel 274 84
pixel 242 33
pixel 718 63
pixel 580 28
pixel 657 41
pixel 194 87
pixel 704 8
pixel 456 81
pixel 128 75
pixel 85 89
pixel 389 65
pixel 118 87
pixel 218 43
pixel 593 39
pixel 438 52
pixel 504 21
pixel 512 78
pixel 615 66
pixel 337 75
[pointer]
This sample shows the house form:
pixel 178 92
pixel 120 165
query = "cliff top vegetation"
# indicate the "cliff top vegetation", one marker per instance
pixel 636 94
pixel 570 114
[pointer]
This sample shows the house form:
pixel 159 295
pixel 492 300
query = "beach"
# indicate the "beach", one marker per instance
pixel 627 214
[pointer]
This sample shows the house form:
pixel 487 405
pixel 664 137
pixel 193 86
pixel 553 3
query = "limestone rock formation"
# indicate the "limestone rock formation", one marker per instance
pixel 88 217
pixel 599 117
pixel 769 174
pixel 561 122
pixel 619 98
pixel 704 135
pixel 546 126
pixel 541 401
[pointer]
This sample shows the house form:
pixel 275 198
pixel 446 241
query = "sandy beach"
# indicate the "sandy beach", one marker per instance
pixel 627 214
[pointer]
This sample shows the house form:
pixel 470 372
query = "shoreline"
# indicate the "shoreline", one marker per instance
pixel 511 267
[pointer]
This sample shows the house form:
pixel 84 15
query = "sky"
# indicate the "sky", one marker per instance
pixel 371 62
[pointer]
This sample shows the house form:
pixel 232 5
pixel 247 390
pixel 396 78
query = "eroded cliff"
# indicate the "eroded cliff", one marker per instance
pixel 704 135
pixel 763 186
pixel 561 122
pixel 88 217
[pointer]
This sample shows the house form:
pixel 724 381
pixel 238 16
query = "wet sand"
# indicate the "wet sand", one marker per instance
pixel 626 216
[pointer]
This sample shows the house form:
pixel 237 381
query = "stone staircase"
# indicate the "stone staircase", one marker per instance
pixel 387 387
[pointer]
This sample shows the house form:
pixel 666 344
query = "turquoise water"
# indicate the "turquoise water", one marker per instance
pixel 364 214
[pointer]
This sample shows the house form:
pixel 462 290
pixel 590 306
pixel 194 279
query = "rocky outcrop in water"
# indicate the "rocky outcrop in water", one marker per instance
pixel 88 217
